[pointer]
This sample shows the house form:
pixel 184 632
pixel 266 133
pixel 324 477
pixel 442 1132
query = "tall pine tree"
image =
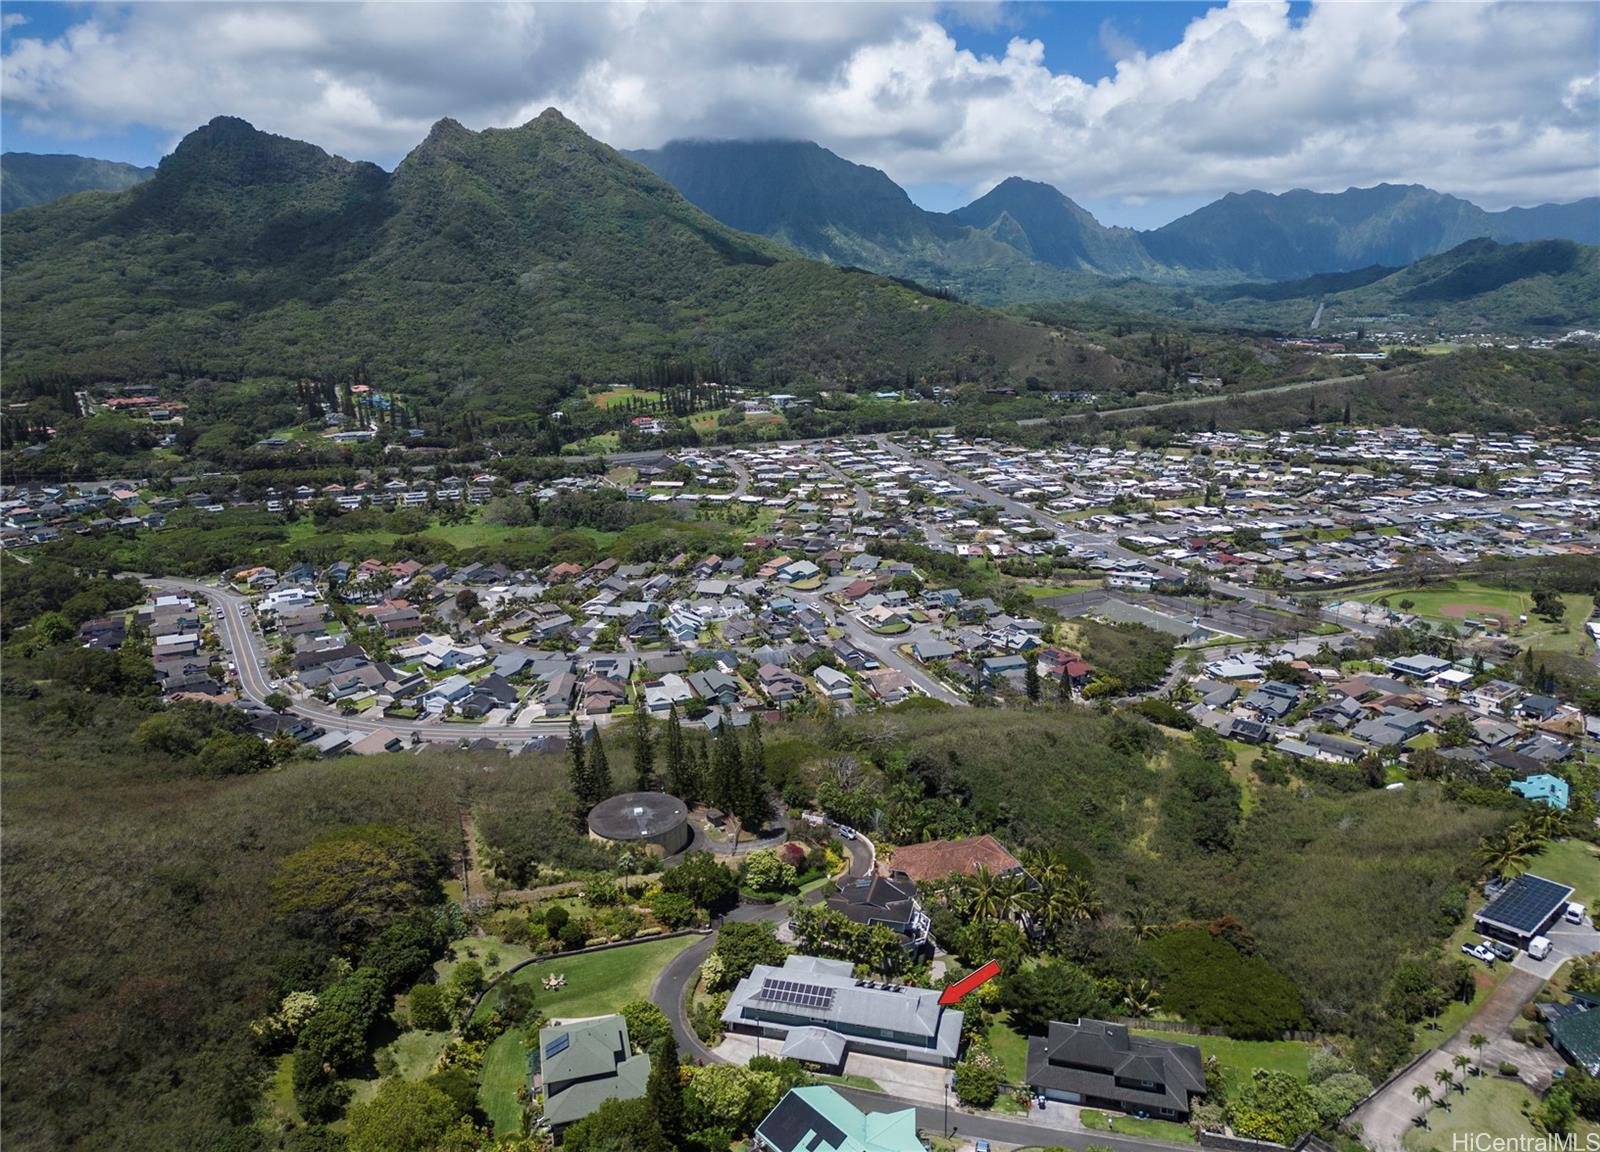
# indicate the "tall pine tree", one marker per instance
pixel 644 751
pixel 578 768
pixel 727 767
pixel 664 1090
pixel 599 773
pixel 680 766
pixel 755 800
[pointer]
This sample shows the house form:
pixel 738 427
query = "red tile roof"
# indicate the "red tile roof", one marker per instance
pixel 938 859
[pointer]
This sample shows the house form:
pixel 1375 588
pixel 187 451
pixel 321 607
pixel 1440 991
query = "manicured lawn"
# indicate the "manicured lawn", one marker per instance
pixel 1133 1126
pixel 1011 1047
pixel 1461 599
pixel 1491 1104
pixel 1239 1058
pixel 892 629
pixel 620 396
pixel 1571 862
pixel 597 983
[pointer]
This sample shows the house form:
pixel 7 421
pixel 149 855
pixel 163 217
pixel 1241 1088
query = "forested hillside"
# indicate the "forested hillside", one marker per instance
pixel 27 179
pixel 497 268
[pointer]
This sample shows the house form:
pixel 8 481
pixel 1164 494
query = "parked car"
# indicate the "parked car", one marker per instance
pixel 1479 952
pixel 1503 951
pixel 846 832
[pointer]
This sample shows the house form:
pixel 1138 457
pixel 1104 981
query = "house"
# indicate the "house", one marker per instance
pixel 1576 1033
pixel 715 686
pixel 106 632
pixel 887 900
pixel 452 690
pixel 1537 708
pixel 378 742
pixel 1552 790
pixel 556 695
pixel 602 695
pixel 940 859
pixel 585 1063
pixel 493 691
pixel 1523 909
pixel 815 1118
pixel 890 685
pixel 1390 727
pixel 821 1012
pixel 1419 667
pixel 1102 1065
pixel 929 650
pixel 835 684
pixel 780 684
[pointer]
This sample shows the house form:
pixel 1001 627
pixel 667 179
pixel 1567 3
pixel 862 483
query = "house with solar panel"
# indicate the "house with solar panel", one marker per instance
pixel 818 1119
pixel 584 1063
pixel 1523 909
pixel 821 1013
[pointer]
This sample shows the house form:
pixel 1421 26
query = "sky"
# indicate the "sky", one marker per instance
pixel 1139 111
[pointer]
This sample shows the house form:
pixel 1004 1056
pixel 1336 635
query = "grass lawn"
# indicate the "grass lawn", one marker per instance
pixel 415 1051
pixel 1491 1104
pixel 612 396
pixel 891 630
pixel 1459 599
pixel 1133 1126
pixel 1571 862
pixel 1011 1047
pixel 1239 1058
pixel 597 983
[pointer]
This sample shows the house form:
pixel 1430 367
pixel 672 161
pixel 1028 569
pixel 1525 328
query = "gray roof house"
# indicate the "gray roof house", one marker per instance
pixel 821 1012
pixel 585 1063
pixel 1095 1063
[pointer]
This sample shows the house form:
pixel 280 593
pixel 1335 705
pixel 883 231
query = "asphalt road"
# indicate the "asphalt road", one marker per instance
pixel 243 647
pixel 672 987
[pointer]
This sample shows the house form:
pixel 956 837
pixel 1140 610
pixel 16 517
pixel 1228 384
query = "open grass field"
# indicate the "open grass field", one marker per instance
pixel 613 396
pixel 1491 1104
pixel 1461 600
pixel 1572 862
pixel 1239 1058
pixel 597 983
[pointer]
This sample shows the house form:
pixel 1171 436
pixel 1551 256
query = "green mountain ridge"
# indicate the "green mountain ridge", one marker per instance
pixel 28 179
pixel 1025 240
pixel 499 268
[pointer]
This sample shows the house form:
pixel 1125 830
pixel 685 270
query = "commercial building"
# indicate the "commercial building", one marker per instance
pixel 1103 1065
pixel 821 1013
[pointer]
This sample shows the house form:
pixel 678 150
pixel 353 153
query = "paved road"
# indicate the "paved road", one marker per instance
pixel 243 646
pixel 1201 401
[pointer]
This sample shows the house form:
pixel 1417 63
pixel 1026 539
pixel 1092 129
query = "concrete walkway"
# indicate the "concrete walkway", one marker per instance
pixel 1388 1116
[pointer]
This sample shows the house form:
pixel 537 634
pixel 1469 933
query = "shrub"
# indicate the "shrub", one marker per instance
pixel 977 1082
pixel 1210 983
pixel 428 1009
pixel 673 909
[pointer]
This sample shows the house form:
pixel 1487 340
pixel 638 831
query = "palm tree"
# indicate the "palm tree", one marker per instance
pixel 1505 855
pixel 1140 996
pixel 1423 1096
pixel 1544 824
pixel 1142 922
pixel 1016 898
pixel 1445 1079
pixel 1044 865
pixel 1462 1062
pixel 1478 1040
pixel 984 897
pixel 1081 902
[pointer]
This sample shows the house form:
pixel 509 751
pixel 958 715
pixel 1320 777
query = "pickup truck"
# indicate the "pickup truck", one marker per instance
pixel 1479 952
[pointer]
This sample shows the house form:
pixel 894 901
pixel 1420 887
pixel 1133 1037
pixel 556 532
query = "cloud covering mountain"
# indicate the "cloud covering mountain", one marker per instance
pixel 1498 103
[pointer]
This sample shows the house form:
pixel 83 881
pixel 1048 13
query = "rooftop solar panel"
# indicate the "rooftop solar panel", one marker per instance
pixel 1526 904
pixel 794 992
pixel 557 1046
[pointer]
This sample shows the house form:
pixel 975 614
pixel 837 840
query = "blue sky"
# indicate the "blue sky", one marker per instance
pixel 1139 111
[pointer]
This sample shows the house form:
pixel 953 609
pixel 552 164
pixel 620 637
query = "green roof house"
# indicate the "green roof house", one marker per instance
pixel 1576 1035
pixel 585 1063
pixel 818 1119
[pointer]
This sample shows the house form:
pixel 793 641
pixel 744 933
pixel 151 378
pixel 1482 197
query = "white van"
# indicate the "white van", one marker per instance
pixel 1575 913
pixel 1539 947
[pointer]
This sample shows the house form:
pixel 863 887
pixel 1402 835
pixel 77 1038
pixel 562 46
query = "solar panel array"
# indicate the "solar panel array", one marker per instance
pixel 1526 903
pixel 557 1046
pixel 794 992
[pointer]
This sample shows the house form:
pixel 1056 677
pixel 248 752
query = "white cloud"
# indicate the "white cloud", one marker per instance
pixel 1491 101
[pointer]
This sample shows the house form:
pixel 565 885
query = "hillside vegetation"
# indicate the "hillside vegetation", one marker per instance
pixel 499 268
pixel 27 179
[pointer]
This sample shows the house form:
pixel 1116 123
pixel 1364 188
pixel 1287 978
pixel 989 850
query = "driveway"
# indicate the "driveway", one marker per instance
pixel 1566 942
